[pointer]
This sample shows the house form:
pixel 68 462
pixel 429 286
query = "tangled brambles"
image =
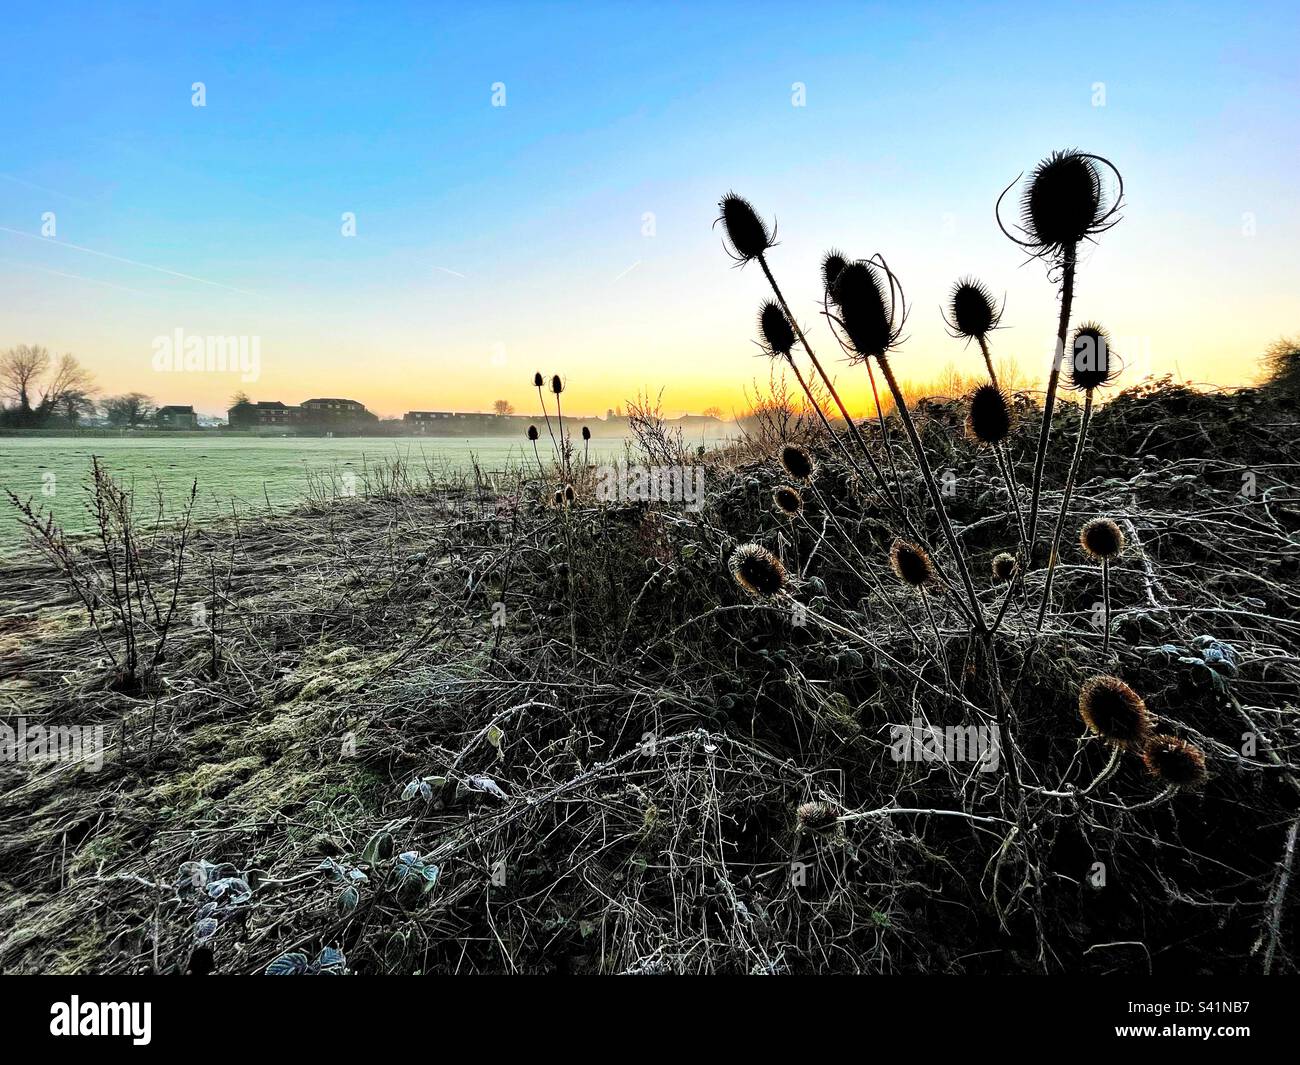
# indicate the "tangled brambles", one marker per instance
pixel 911 563
pixel 758 571
pixel 1102 539
pixel 1174 761
pixel 798 462
pixel 817 816
pixel 988 416
pixel 787 500
pixel 1005 566
pixel 1115 712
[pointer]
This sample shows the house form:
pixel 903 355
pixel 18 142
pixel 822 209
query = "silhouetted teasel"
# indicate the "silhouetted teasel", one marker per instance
pixel 798 462
pixel 557 384
pixel 832 263
pixel 1092 365
pixel 775 329
pixel 910 563
pixel 1102 539
pixel 1004 566
pixel 532 433
pixel 758 571
pixel 1174 761
pixel 1062 204
pixel 747 234
pixel 787 500
pixel 988 415
pixel 538 380
pixel 973 313
pixel 1115 712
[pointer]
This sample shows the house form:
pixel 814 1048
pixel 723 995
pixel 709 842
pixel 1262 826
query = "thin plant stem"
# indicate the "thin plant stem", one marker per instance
pixel 1049 401
pixel 988 361
pixel 1105 605
pixel 1065 506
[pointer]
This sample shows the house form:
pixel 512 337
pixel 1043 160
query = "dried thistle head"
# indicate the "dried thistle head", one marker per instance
pixel 817 816
pixel 1005 566
pixel 775 328
pixel 787 500
pixel 1175 761
pixel 972 310
pixel 538 380
pixel 557 385
pixel 1115 712
pixel 798 462
pixel 757 570
pixel 911 563
pixel 1063 203
pixel 747 234
pixel 586 433
pixel 569 494
pixel 861 294
pixel 532 433
pixel 1094 363
pixel 988 415
pixel 1102 539
pixel 832 263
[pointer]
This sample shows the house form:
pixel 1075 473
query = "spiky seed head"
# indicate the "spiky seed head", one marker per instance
pixel 817 816
pixel 832 263
pixel 988 416
pixel 586 433
pixel 777 333
pixel 1093 363
pixel 532 432
pixel 557 498
pixel 1062 200
pixel 863 309
pixel 557 386
pixel 787 500
pixel 1115 712
pixel 911 563
pixel 747 234
pixel 798 462
pixel 538 380
pixel 757 570
pixel 1005 566
pixel 1174 761
pixel 972 310
pixel 1102 539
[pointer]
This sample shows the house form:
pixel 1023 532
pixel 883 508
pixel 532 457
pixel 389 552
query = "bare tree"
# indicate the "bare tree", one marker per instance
pixel 20 370
pixel 35 383
pixel 502 407
pixel 130 409
pixel 74 405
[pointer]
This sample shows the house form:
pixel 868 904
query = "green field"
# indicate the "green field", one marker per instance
pixel 244 474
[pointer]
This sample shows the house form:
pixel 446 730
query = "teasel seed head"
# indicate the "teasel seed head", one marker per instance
pixel 777 333
pixel 1062 203
pixel 972 310
pixel 798 462
pixel 747 234
pixel 1005 566
pixel 911 563
pixel 1115 712
pixel 832 263
pixel 1174 761
pixel 757 570
pixel 988 415
pixel 860 296
pixel 557 386
pixel 1102 539
pixel 532 432
pixel 586 433
pixel 817 816
pixel 557 498
pixel 538 380
pixel 1093 363
pixel 569 494
pixel 787 500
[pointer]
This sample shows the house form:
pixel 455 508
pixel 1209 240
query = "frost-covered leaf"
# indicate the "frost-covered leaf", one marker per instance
pixel 292 964
pixel 205 929
pixel 349 899
pixel 331 961
pixel 484 783
pixel 409 792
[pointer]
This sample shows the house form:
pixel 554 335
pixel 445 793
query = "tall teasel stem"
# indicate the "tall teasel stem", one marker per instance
pixel 988 361
pixel 1049 401
pixel 539 383
pixel 557 386
pixel 1105 605
pixel 1065 507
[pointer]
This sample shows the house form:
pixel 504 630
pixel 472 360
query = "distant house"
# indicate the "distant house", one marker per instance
pixel 451 423
pixel 176 417
pixel 267 413
pixel 336 411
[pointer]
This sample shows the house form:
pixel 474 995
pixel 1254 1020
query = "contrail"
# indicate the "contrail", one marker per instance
pixel 129 262
pixel 75 277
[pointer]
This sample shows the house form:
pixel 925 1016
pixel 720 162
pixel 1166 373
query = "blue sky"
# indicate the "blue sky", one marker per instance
pixel 493 241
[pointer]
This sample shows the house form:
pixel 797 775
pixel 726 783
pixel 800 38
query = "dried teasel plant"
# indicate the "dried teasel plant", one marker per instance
pixel 1062 205
pixel 1093 365
pixel 758 571
pixel 798 462
pixel 1115 712
pixel 973 313
pixel 1103 540
pixel 1174 761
